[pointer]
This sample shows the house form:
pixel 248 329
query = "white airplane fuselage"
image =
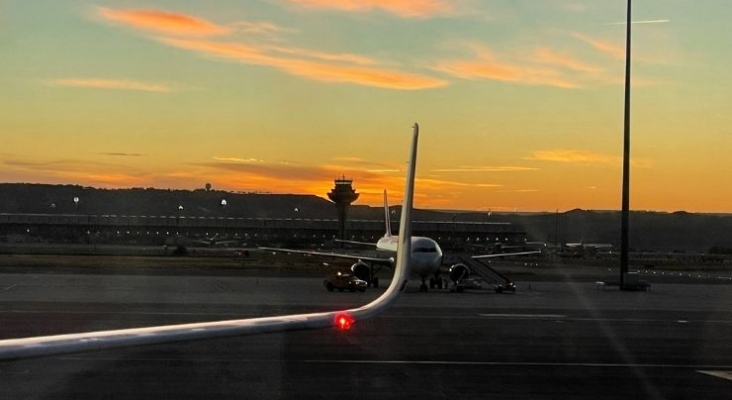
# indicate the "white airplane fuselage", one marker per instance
pixel 426 256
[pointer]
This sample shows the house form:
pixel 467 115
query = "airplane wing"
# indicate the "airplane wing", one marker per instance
pixel 89 341
pixel 226 242
pixel 355 242
pixel 382 260
pixel 496 255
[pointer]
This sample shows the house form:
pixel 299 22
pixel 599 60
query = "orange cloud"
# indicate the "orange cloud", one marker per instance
pixel 606 47
pixel 114 84
pixel 483 68
pixel 486 169
pixel 77 171
pixel 549 56
pixel 585 157
pixel 402 8
pixel 118 180
pixel 357 163
pixel 320 71
pixel 311 64
pixel 163 21
pixel 319 55
pixel 574 156
pixel 260 28
pixel 295 178
pixel 440 184
pixel 318 180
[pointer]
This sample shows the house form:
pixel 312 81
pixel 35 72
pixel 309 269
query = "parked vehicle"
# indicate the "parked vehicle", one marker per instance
pixel 344 281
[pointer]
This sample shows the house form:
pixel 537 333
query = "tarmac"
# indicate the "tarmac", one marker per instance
pixel 564 340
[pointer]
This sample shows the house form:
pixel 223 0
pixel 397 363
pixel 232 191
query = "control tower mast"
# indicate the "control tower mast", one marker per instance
pixel 342 195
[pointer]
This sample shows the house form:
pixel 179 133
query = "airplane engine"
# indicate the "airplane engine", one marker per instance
pixel 459 272
pixel 362 271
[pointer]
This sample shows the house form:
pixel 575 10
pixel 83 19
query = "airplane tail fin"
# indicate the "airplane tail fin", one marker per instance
pixel 387 218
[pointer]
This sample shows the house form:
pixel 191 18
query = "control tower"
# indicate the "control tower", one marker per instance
pixel 342 195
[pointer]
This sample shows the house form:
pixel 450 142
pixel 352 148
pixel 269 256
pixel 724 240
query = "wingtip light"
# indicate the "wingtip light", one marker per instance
pixel 344 322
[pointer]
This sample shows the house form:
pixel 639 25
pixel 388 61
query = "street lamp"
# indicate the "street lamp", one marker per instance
pixel 177 220
pixel 625 202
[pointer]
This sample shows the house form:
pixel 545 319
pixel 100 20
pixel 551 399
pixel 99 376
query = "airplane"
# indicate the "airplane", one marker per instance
pixel 208 241
pixel 216 240
pixel 425 261
pixel 40 346
pixel 583 245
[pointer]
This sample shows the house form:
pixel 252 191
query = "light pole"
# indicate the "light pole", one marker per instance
pixel 556 229
pixel 223 204
pixel 177 220
pixel 625 212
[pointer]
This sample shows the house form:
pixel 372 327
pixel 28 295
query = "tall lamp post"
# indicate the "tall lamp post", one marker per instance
pixel 177 220
pixel 624 255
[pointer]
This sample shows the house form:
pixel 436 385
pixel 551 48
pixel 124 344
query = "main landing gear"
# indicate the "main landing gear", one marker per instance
pixel 435 283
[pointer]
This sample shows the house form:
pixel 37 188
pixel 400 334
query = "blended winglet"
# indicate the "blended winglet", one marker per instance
pixel 404 247
pixel 92 341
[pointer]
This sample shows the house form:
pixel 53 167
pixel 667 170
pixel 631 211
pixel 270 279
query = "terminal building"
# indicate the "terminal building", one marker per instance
pixel 158 217
pixel 291 232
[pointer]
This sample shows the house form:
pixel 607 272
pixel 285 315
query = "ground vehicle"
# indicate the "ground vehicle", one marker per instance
pixel 343 281
pixel 477 283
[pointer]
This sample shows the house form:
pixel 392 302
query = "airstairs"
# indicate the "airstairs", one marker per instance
pixel 498 281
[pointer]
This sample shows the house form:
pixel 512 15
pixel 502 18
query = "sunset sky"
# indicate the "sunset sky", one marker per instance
pixel 520 102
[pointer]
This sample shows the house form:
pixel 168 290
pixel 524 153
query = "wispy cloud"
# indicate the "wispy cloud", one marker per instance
pixel 574 156
pixel 163 21
pixel 574 7
pixel 78 171
pixel 549 56
pixel 320 71
pixel 298 178
pixel 318 179
pixel 612 49
pixel 519 191
pixel 106 179
pixel 350 159
pixel 238 160
pixel 112 84
pixel 488 66
pixel 259 28
pixel 432 184
pixel 584 157
pixel 120 154
pixel 320 55
pixel 486 169
pixel 367 165
pixel 185 31
pixel 402 8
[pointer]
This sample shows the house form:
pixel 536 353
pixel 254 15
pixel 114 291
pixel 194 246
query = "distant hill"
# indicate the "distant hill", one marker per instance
pixel 32 198
pixel 649 231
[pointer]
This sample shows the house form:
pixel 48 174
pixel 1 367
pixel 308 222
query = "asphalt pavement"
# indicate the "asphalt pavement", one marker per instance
pixel 564 340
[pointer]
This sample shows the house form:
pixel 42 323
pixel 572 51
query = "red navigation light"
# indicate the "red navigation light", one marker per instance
pixel 344 322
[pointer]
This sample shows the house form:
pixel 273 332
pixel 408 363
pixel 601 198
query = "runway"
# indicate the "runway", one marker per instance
pixel 549 340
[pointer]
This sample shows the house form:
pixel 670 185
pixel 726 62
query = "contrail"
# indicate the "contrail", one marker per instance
pixel 650 21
